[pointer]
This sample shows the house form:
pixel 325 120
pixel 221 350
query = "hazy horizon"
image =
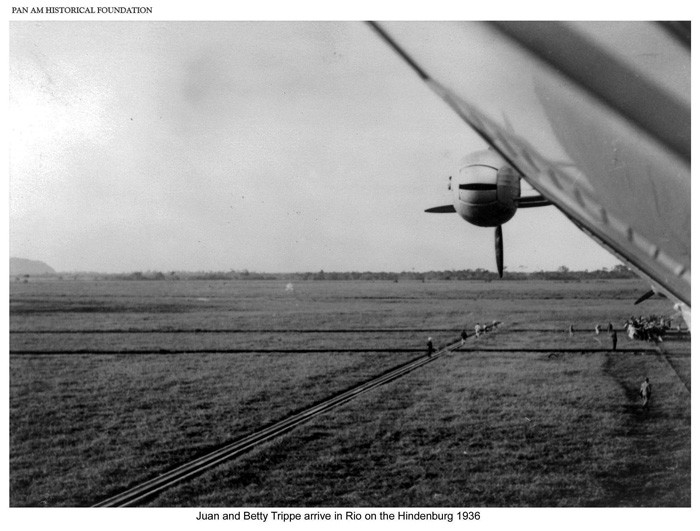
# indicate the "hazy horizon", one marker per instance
pixel 253 271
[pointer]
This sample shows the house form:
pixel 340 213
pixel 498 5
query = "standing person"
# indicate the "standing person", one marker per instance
pixel 430 346
pixel 477 330
pixel 613 336
pixel 610 327
pixel 464 336
pixel 645 392
pixel 571 330
pixel 597 329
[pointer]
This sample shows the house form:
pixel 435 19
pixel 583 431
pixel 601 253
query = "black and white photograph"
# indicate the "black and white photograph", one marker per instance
pixel 357 271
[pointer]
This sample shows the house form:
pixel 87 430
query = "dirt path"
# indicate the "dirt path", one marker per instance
pixel 657 470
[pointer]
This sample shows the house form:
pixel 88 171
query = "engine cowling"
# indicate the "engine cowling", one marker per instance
pixel 486 189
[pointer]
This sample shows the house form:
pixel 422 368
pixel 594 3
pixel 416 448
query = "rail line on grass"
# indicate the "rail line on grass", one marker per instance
pixel 118 331
pixel 154 486
pixel 167 352
pixel 235 331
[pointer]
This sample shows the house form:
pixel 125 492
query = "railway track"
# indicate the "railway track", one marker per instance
pixel 162 351
pixel 152 487
pixel 236 331
pixel 126 331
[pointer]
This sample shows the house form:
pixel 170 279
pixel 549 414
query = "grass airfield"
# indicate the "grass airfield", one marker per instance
pixel 475 428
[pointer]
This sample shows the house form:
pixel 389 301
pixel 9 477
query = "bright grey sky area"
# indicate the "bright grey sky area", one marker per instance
pixel 262 146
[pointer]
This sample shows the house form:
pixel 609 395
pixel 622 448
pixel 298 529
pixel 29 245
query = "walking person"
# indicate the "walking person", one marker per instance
pixel 613 336
pixel 430 347
pixel 645 392
pixel 464 336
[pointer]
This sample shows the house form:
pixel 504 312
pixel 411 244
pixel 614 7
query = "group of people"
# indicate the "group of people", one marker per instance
pixel 479 329
pixel 650 328
pixel 644 390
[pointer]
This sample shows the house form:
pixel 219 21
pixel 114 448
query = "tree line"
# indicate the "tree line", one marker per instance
pixel 562 273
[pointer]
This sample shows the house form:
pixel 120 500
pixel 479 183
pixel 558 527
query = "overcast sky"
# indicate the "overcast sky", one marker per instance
pixel 261 146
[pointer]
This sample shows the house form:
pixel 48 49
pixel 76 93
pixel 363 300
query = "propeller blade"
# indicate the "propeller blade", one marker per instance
pixel 644 297
pixel 499 251
pixel 446 209
pixel 531 201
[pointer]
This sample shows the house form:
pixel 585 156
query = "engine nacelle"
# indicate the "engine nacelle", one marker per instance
pixel 486 189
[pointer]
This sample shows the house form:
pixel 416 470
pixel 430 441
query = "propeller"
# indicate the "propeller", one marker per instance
pixel 649 294
pixel 499 251
pixel 644 297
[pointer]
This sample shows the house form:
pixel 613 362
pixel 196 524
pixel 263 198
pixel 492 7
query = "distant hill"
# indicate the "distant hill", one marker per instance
pixel 22 266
